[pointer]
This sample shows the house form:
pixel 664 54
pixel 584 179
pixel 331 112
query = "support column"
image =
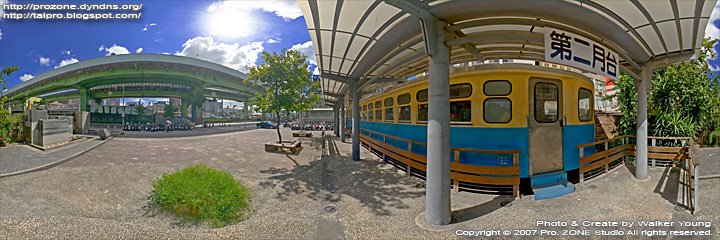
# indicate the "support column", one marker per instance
pixel 355 122
pixel 437 191
pixel 641 152
pixel 84 99
pixel 246 110
pixel 342 120
pixel 336 120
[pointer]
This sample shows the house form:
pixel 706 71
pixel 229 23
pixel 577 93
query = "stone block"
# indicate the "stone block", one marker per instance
pixel 104 134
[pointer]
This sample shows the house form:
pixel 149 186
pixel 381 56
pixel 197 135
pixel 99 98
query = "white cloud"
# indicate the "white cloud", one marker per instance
pixel 288 10
pixel 66 52
pixel 307 49
pixel 712 30
pixel 44 61
pixel 115 49
pixel 66 62
pixel 102 47
pixel 139 50
pixel 316 71
pixel 2 2
pixel 26 77
pixel 148 26
pixel 274 40
pixel 233 55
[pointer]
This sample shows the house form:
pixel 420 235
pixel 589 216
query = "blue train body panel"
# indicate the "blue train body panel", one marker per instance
pixel 574 135
pixel 487 139
pixel 463 137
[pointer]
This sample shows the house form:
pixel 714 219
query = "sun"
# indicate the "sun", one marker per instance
pixel 229 23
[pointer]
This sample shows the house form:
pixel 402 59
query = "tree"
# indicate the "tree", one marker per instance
pixel 287 83
pixel 683 101
pixel 169 111
pixel 141 109
pixel 6 119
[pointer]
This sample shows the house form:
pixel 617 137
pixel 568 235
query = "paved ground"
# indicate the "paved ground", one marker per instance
pixel 709 159
pixel 20 157
pixel 103 194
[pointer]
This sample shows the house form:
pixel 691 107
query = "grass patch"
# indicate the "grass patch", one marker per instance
pixel 202 193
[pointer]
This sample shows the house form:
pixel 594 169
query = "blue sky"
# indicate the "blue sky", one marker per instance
pixel 203 29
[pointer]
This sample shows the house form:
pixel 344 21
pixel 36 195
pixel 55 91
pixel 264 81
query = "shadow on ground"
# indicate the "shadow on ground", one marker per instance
pixel 333 177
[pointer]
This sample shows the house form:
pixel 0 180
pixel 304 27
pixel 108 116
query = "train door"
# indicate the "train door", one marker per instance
pixel 545 125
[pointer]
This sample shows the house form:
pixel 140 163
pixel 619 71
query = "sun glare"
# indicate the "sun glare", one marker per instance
pixel 227 23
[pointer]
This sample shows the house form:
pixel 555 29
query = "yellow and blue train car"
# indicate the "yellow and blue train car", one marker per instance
pixel 540 114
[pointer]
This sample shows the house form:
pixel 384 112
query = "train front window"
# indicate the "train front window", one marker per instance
pixel 497 110
pixel 584 104
pixel 378 111
pixel 546 102
pixel 497 88
pixel 404 110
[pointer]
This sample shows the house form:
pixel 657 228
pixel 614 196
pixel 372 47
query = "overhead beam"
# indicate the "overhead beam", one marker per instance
pixel 336 77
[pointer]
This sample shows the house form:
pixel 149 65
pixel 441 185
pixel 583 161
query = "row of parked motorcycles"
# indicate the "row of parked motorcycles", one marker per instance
pixel 156 127
pixel 310 126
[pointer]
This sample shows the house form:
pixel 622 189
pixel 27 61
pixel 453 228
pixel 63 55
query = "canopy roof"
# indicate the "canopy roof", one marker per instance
pixel 380 42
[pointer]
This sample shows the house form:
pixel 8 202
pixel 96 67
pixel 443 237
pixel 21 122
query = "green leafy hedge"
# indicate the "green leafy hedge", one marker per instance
pixel 202 193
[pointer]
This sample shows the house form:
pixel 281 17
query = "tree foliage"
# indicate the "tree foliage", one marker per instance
pixel 169 111
pixel 287 84
pixel 683 100
pixel 141 109
pixel 7 121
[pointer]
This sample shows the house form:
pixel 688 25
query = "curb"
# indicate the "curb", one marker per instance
pixel 53 164
pixel 709 176
pixel 184 137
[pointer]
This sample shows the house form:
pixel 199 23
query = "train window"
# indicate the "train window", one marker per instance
pixel 497 110
pixel 363 114
pixel 497 88
pixel 389 102
pixel 404 113
pixel 389 113
pixel 584 104
pixel 422 113
pixel 403 99
pixel 546 102
pixel 404 110
pixel 422 95
pixel 460 111
pixel 461 90
pixel 370 112
pixel 378 111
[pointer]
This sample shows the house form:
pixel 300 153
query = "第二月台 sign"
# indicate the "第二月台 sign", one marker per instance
pixel 572 50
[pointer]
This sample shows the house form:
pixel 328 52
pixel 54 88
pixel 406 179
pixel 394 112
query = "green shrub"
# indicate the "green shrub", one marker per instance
pixel 202 193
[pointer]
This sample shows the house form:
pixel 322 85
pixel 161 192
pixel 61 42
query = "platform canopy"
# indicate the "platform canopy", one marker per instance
pixel 376 43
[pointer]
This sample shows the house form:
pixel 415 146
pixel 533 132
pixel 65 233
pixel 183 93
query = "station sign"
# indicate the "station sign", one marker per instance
pixel 569 49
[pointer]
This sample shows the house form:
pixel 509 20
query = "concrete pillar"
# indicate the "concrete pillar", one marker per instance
pixel 84 100
pixel 246 110
pixel 336 120
pixel 342 120
pixel 437 192
pixel 641 152
pixel 355 122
